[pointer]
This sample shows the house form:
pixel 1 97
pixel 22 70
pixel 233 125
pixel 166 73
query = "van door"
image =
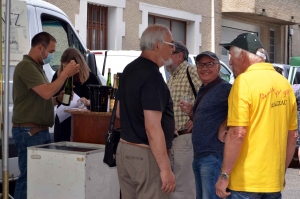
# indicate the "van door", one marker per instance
pixel 60 27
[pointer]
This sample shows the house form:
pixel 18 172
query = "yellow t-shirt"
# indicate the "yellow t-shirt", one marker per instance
pixel 263 101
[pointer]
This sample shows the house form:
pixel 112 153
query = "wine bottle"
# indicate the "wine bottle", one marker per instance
pixel 68 92
pixel 108 83
pixel 113 92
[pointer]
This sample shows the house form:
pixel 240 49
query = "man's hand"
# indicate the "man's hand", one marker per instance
pixel 222 135
pixel 221 187
pixel 168 181
pixel 186 107
pixel 71 68
pixel 189 125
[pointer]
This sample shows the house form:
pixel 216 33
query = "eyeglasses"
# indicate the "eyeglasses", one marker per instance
pixel 208 64
pixel 169 43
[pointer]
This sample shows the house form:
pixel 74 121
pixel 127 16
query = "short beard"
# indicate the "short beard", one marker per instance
pixel 169 66
pixel 168 62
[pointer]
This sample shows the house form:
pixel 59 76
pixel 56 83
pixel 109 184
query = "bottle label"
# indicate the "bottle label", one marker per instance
pixel 66 99
pixel 112 103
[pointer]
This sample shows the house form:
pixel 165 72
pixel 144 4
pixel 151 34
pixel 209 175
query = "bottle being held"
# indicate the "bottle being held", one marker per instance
pixel 68 92
pixel 108 83
pixel 113 92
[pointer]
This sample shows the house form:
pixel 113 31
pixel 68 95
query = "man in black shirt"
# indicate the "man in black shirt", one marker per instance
pixel 146 115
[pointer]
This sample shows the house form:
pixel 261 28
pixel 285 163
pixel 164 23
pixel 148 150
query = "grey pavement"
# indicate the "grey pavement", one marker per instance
pixel 292 188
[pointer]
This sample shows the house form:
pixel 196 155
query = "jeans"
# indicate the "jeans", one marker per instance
pixel 252 195
pixel 22 140
pixel 207 170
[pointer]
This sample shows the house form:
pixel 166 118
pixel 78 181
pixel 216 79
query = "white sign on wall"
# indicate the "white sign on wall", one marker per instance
pixel 19 34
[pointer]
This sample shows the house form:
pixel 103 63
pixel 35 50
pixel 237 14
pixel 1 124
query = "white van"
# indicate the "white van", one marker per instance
pixel 294 78
pixel 118 59
pixel 30 17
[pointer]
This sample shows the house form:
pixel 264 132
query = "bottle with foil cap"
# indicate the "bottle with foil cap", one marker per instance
pixel 113 92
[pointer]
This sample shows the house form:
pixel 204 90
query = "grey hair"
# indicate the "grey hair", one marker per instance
pixel 253 57
pixel 153 34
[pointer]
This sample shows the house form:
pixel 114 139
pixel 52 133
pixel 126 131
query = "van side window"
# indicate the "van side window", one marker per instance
pixel 224 73
pixel 60 30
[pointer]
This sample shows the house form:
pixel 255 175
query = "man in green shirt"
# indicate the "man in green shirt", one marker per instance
pixel 33 111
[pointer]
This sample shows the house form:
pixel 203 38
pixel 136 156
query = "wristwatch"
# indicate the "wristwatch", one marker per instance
pixel 225 176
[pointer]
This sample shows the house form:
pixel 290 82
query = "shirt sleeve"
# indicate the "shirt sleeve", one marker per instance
pixel 31 76
pixel 239 103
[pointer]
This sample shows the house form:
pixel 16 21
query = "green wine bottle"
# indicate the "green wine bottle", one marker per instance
pixel 108 83
pixel 68 92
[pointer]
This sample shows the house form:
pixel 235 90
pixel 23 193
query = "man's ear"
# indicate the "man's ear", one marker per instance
pixel 41 47
pixel 242 55
pixel 156 45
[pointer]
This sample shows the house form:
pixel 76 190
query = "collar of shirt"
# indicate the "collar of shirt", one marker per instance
pixel 202 87
pixel 31 59
pixel 260 66
pixel 181 67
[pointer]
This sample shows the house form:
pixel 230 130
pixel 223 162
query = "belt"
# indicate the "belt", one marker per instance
pixel 185 131
pixel 134 144
pixel 35 127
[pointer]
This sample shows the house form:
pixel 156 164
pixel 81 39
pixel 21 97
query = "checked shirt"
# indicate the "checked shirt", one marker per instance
pixel 179 85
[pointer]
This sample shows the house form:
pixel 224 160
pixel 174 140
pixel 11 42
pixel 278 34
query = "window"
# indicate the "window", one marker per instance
pixel 272 46
pixel 60 30
pixel 178 28
pixel 96 27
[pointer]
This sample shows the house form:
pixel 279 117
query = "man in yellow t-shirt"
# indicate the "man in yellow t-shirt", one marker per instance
pixel 262 117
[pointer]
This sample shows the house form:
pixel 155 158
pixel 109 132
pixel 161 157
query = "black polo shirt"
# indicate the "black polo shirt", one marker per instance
pixel 142 87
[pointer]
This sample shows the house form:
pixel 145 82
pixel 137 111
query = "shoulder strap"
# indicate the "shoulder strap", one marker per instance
pixel 190 81
pixel 207 89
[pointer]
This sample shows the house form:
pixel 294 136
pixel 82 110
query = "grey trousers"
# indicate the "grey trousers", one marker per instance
pixel 181 161
pixel 139 174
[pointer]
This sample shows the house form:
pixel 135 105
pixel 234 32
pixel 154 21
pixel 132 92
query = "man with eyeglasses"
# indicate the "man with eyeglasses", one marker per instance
pixel 209 115
pixel 181 155
pixel 146 114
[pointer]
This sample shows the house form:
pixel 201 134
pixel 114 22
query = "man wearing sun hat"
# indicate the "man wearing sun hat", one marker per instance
pixel 262 116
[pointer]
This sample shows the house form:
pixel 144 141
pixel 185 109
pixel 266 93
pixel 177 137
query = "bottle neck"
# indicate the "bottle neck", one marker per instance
pixel 115 83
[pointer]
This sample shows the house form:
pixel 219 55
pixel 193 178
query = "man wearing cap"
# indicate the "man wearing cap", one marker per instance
pixel 209 117
pixel 258 146
pixel 181 155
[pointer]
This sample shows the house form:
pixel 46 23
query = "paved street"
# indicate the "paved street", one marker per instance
pixel 292 189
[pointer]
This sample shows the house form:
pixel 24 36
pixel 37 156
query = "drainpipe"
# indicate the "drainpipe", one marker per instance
pixel 213 26
pixel 288 46
pixel 5 132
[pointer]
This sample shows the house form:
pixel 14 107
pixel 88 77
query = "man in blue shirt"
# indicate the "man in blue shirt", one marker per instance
pixel 209 115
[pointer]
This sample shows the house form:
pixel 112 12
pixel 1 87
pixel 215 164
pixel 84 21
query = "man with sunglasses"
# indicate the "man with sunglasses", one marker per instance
pixel 181 155
pixel 209 115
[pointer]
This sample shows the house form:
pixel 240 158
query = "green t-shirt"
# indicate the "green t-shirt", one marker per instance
pixel 29 107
